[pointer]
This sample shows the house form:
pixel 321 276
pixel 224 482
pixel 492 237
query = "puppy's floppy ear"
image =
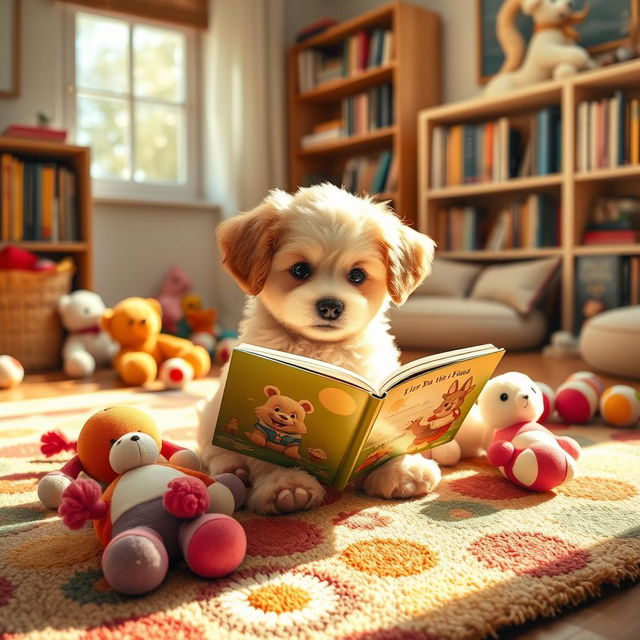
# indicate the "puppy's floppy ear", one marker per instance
pixel 409 255
pixel 247 243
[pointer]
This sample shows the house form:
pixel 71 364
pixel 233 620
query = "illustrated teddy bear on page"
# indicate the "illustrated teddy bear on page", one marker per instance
pixel 280 423
pixel 444 415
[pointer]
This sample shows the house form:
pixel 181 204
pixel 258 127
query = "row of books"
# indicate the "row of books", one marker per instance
pixel 359 52
pixel 37 201
pixel 368 111
pixel 613 220
pixel 605 282
pixel 371 174
pixel 608 132
pixel 496 151
pixel 526 223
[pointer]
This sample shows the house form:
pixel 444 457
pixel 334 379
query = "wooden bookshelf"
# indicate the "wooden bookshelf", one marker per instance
pixel 77 159
pixel 575 190
pixel 414 72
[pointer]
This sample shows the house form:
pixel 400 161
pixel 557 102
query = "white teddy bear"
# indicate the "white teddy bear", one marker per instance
pixel 488 414
pixel 87 346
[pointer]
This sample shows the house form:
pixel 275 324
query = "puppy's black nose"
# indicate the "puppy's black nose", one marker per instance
pixel 526 397
pixel 329 308
pixel 135 438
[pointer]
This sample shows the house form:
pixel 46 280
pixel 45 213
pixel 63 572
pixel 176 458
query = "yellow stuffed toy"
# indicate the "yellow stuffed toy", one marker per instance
pixel 135 323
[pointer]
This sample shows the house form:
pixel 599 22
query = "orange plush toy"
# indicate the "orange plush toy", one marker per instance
pixel 135 324
pixel 92 450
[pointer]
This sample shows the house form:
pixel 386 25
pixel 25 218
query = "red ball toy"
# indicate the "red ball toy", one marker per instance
pixel 578 397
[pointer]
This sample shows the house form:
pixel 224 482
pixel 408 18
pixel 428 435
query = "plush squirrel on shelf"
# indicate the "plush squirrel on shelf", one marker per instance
pixel 153 513
pixel 92 450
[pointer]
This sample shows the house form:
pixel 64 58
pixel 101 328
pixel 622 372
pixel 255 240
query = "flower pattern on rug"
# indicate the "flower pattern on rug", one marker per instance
pixel 354 568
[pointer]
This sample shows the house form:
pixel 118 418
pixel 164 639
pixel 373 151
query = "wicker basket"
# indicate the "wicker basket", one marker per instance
pixel 30 329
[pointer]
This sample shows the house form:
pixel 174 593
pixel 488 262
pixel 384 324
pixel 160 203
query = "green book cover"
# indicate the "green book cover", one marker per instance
pixel 299 412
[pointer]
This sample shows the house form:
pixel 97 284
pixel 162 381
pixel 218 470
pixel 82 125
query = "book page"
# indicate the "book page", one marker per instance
pixel 416 367
pixel 280 413
pixel 310 364
pixel 426 410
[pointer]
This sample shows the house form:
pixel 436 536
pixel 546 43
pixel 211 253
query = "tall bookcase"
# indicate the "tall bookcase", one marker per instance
pixel 414 73
pixel 575 190
pixel 77 160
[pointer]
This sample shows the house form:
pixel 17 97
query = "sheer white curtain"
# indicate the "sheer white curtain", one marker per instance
pixel 244 69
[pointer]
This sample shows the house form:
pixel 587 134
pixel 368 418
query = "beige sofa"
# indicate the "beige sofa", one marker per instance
pixel 464 304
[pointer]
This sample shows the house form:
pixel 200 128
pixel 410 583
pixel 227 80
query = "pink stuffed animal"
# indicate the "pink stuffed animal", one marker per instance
pixel 176 284
pixel 524 451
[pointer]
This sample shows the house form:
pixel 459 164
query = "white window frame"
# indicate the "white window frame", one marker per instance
pixel 129 189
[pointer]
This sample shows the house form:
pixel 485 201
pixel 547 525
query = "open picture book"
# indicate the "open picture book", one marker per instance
pixel 331 422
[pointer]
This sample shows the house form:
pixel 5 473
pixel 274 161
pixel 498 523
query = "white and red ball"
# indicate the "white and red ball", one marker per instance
pixel 175 373
pixel 620 406
pixel 578 397
pixel 549 398
pixel 11 372
pixel 224 348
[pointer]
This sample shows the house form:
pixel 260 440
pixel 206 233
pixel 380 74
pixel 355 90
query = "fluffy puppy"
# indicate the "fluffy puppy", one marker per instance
pixel 320 268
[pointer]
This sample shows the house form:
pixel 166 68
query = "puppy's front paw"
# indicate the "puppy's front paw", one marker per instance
pixel 229 462
pixel 285 491
pixel 405 476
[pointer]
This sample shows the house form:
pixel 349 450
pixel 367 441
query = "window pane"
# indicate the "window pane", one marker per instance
pixel 102 53
pixel 158 63
pixel 103 124
pixel 158 143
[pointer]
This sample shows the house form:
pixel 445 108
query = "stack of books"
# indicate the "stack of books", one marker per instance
pixel 324 132
pixel 614 221
pixel 371 174
pixel 526 223
pixel 37 201
pixel 605 282
pixel 608 132
pixel 359 52
pixel 496 151
pixel 368 111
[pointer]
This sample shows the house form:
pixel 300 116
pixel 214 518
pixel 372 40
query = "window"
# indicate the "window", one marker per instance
pixel 131 101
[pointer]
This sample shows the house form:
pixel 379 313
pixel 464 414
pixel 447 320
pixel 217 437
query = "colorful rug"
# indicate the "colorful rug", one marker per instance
pixel 476 556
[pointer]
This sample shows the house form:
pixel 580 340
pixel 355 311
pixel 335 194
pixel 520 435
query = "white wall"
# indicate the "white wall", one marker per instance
pixel 134 245
pixel 459 30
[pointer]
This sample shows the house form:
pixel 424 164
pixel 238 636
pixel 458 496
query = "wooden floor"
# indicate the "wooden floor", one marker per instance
pixel 614 616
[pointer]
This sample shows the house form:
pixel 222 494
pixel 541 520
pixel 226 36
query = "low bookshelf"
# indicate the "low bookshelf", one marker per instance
pixel 61 226
pixel 354 91
pixel 463 196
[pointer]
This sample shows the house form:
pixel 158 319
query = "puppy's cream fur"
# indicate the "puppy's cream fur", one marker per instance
pixel 334 233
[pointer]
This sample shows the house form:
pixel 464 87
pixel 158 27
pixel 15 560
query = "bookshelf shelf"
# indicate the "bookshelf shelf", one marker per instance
pixel 351 144
pixel 66 247
pixel 576 190
pixel 506 186
pixel 77 160
pixel 607 249
pixel 503 254
pixel 618 173
pixel 408 78
pixel 347 86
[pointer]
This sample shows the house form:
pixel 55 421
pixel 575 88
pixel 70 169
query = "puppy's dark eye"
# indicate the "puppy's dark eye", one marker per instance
pixel 301 270
pixel 292 416
pixel 504 397
pixel 276 409
pixel 356 276
pixel 534 390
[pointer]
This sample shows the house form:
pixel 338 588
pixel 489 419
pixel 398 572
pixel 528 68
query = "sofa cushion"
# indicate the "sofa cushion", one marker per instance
pixel 519 284
pixel 610 342
pixel 449 278
pixel 440 323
